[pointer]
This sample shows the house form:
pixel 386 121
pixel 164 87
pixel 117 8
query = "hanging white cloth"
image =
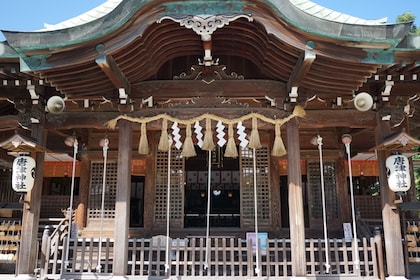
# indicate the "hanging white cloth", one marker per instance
pixel 168 209
pixel 206 258
pixel 353 211
pixel 105 155
pixel 257 255
pixel 324 211
pixel 70 209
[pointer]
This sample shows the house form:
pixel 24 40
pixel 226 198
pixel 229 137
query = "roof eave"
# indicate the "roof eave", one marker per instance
pixel 385 33
pixel 6 52
pixel 31 42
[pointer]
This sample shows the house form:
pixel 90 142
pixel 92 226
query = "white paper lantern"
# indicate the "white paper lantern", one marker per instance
pixel 398 172
pixel 23 176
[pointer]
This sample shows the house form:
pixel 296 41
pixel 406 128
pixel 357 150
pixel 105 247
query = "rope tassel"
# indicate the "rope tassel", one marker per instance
pixel 188 149
pixel 231 150
pixel 278 148
pixel 298 111
pixel 144 144
pixel 163 141
pixel 254 141
pixel 208 144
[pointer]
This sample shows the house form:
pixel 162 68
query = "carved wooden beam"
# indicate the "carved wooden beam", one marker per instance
pixel 314 118
pixel 113 72
pixel 338 118
pixel 192 88
pixel 301 69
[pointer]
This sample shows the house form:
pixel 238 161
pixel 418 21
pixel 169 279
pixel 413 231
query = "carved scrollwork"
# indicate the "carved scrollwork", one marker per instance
pixel 208 74
pixel 205 25
pixel 209 102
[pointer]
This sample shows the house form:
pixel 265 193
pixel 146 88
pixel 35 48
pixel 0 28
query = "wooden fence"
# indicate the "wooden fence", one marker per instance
pixel 227 257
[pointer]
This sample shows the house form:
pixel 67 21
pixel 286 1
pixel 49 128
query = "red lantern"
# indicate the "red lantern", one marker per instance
pixel 23 176
pixel 398 172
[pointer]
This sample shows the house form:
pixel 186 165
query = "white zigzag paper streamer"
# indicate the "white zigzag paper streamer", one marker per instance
pixel 220 134
pixel 177 136
pixel 242 135
pixel 198 133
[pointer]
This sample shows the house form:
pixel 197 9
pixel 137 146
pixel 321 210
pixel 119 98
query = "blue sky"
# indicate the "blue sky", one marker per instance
pixel 24 15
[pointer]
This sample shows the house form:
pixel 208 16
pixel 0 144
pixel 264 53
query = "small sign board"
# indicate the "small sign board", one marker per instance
pixel 263 237
pixel 74 232
pixel 348 236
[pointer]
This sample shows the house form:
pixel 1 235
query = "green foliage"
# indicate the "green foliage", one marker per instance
pixel 409 17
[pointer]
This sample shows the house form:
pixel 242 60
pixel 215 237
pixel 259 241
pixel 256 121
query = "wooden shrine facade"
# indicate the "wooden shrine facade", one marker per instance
pixel 240 89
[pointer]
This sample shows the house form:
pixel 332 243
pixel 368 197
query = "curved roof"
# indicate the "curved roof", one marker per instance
pixel 305 5
pixel 322 12
pixel 117 13
pixel 86 17
pixel 130 35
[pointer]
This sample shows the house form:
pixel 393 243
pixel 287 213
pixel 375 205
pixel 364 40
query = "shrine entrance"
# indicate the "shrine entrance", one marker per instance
pixel 224 190
pixel 137 201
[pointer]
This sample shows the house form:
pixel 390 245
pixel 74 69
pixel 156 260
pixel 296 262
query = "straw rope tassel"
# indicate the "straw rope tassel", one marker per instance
pixel 254 141
pixel 208 144
pixel 278 147
pixel 163 141
pixel 231 150
pixel 144 144
pixel 298 111
pixel 188 149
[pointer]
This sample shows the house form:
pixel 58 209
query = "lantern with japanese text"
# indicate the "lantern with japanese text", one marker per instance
pixel 398 172
pixel 23 176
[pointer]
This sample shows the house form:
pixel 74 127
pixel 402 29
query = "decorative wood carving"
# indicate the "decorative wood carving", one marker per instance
pixel 208 74
pixel 209 102
pixel 205 25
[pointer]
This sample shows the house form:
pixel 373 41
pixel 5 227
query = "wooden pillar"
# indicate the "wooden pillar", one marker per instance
pixel 343 190
pixel 83 192
pixel 275 192
pixel 31 210
pixel 122 203
pixel 390 216
pixel 296 213
pixel 149 187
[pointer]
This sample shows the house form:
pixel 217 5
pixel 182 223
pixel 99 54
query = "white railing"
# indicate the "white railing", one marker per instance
pixel 228 257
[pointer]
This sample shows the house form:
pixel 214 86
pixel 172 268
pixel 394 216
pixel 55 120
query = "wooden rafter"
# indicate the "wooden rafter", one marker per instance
pixel 301 69
pixel 113 72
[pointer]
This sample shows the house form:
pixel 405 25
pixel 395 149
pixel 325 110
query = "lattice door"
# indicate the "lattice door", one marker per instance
pixel 96 185
pixel 247 186
pixel 315 193
pixel 177 188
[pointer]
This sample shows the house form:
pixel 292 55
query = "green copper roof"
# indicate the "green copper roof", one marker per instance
pixel 113 14
pixel 305 5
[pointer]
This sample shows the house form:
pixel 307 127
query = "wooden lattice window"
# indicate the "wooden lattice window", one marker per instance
pixel 177 186
pixel 247 185
pixel 96 185
pixel 314 181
